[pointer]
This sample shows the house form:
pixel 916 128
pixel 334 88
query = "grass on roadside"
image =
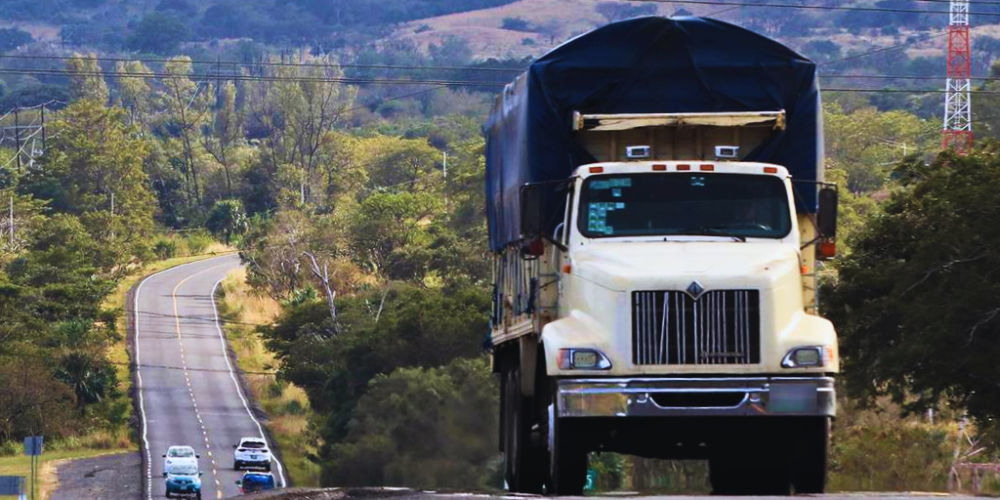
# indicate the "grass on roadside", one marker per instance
pixel 286 405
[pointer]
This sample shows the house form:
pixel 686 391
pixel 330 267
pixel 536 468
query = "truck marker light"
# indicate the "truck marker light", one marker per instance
pixel 707 168
pixel 596 170
pixel 567 268
pixel 770 170
pixel 659 168
pixel 804 270
pixel 683 166
pixel 827 250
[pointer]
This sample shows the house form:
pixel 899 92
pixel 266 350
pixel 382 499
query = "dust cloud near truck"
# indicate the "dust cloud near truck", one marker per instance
pixel 657 213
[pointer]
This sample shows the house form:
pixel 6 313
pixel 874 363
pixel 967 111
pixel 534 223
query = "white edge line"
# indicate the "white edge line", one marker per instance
pixel 225 355
pixel 138 372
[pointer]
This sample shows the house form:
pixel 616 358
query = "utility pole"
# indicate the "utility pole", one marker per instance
pixel 17 139
pixel 11 222
pixel 445 164
pixel 957 131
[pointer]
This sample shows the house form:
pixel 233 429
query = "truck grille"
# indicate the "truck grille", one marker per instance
pixel 721 327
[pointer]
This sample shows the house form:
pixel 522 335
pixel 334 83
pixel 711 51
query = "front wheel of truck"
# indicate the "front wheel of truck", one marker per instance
pixel 810 455
pixel 567 457
pixel 524 463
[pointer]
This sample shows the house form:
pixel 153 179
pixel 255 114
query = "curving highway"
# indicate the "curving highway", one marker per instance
pixel 188 392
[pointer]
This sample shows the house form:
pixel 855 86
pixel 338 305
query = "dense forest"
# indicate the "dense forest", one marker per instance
pixel 357 207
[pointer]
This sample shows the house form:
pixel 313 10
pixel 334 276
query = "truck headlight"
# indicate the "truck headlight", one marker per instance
pixel 808 357
pixel 583 359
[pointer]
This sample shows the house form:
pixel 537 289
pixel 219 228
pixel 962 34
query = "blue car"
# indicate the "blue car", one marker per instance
pixel 183 480
pixel 256 481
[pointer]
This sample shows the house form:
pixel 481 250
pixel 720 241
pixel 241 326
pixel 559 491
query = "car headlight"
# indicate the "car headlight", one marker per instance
pixel 813 356
pixel 583 359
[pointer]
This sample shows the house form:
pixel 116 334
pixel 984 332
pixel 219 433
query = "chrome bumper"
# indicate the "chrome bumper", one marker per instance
pixel 689 397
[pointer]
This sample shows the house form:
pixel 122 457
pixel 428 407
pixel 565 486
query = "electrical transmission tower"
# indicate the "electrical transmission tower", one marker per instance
pixel 957 133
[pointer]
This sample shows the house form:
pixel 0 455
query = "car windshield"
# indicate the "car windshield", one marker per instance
pixel 180 453
pixel 737 205
pixel 183 470
pixel 253 444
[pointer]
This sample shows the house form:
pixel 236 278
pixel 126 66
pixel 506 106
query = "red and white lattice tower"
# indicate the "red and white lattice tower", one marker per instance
pixel 957 133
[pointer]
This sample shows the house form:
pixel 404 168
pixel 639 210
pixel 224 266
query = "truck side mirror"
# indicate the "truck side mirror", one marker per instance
pixel 531 210
pixel 826 222
pixel 164 474
pixel 827 216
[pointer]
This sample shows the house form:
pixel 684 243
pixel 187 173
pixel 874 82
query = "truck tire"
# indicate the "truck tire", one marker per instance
pixel 567 458
pixel 809 462
pixel 524 464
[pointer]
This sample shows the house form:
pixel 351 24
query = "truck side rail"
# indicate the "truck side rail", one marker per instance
pixel 515 294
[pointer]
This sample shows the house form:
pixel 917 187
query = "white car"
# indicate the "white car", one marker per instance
pixel 252 452
pixel 178 455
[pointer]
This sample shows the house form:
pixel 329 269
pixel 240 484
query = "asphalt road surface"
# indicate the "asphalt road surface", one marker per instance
pixel 188 393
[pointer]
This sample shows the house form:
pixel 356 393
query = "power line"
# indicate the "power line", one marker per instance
pixel 883 49
pixel 908 77
pixel 270 63
pixel 907 91
pixel 250 78
pixel 811 7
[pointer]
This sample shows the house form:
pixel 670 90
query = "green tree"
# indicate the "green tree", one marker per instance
pixel 425 428
pixel 94 169
pixel 188 105
pixel 159 33
pixel 133 93
pixel 227 218
pixel 87 78
pixel 916 301
pixel 222 140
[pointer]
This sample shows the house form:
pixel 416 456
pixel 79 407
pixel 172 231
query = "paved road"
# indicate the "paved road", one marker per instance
pixel 188 393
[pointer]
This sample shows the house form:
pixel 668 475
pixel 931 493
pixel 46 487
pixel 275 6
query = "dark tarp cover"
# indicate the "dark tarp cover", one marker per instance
pixel 645 65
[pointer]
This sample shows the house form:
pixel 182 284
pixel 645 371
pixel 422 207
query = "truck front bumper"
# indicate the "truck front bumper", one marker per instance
pixel 689 397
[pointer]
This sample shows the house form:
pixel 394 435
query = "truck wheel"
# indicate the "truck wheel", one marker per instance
pixel 524 465
pixel 809 461
pixel 168 495
pixel 567 459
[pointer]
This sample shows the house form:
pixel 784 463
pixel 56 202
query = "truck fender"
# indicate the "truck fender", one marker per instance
pixel 577 330
pixel 808 329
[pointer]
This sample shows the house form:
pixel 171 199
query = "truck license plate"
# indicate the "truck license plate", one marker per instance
pixel 792 398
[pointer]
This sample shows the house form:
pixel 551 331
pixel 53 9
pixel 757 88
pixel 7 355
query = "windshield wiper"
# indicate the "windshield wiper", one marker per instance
pixel 715 231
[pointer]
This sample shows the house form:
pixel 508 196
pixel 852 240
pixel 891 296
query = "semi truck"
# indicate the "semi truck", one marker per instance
pixel 657 213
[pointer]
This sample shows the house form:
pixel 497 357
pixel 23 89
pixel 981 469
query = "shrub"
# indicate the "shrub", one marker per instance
pixel 198 242
pixel 515 24
pixel 165 248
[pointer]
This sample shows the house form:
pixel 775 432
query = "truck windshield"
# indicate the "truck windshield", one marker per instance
pixel 737 205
